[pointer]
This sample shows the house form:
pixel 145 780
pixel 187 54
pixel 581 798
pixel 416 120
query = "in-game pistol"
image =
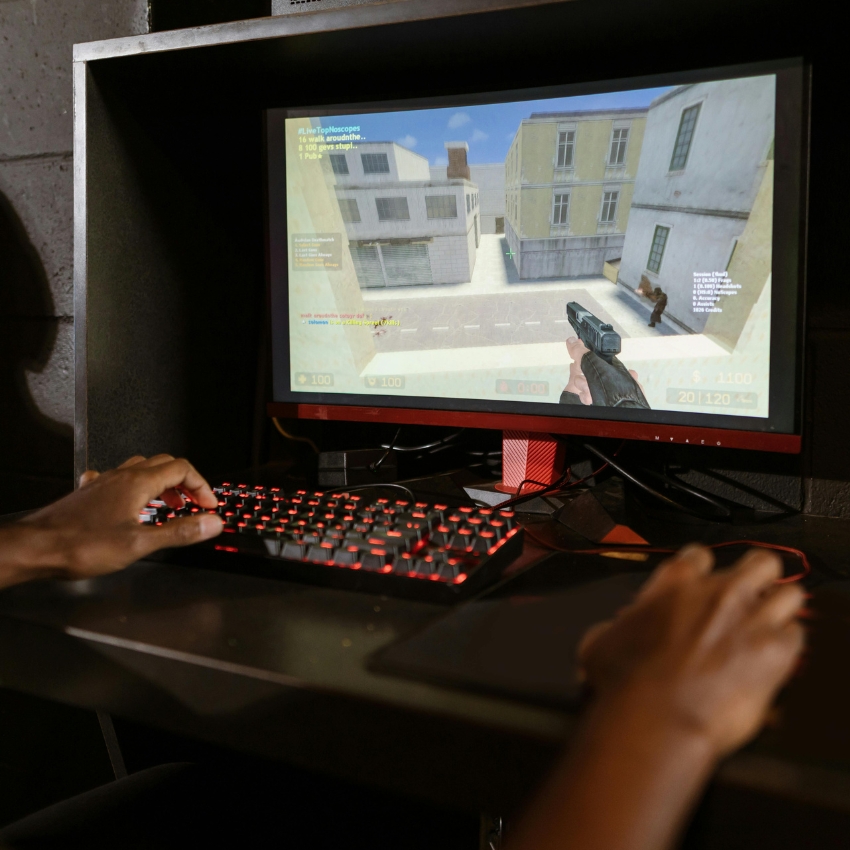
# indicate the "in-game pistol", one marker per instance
pixel 598 336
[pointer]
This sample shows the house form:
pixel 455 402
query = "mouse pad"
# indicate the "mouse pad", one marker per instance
pixel 522 645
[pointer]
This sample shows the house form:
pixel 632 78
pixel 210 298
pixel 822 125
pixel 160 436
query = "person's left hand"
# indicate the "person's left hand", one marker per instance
pixel 96 529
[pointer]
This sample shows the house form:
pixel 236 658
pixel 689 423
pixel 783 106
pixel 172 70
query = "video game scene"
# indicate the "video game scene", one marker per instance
pixel 611 250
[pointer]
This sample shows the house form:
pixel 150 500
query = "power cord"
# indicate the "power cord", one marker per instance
pixel 293 437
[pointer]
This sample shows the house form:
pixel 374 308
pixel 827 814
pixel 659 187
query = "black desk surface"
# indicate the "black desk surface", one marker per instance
pixel 279 669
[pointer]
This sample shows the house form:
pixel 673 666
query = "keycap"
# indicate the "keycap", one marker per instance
pixel 481 545
pixel 403 566
pixel 345 558
pixel 293 551
pixel 319 553
pixel 441 536
pixel 448 571
pixel 372 563
pixel 424 568
pixel 498 527
pixel 272 546
pixel 460 542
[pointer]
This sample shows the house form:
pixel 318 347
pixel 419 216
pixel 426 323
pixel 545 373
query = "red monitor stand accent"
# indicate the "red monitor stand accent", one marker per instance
pixel 530 461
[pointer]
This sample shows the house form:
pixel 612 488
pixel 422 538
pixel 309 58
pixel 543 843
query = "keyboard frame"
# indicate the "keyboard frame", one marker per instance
pixel 228 553
pixel 206 556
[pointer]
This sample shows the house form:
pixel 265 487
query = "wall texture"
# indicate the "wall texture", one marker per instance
pixel 36 224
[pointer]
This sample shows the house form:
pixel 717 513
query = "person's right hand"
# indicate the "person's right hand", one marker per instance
pixel 703 651
pixel 96 529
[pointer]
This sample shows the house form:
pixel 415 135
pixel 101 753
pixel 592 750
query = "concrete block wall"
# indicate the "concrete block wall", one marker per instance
pixel 36 235
pixel 449 257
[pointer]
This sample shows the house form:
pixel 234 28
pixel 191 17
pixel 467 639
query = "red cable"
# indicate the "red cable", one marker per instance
pixel 562 484
pixel 656 550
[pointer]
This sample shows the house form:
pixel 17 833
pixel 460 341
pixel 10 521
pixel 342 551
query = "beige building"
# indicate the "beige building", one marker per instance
pixel 569 178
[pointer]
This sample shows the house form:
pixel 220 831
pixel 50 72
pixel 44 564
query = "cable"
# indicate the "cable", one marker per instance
pixel 292 437
pixel 422 448
pixel 807 568
pixel 687 488
pixel 653 492
pixel 377 487
pixel 557 487
pixel 377 464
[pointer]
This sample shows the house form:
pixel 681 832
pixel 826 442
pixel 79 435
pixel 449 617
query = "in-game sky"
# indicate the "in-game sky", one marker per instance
pixel 489 129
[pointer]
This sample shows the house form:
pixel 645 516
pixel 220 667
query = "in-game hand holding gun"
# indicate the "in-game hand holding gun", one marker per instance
pixel 596 374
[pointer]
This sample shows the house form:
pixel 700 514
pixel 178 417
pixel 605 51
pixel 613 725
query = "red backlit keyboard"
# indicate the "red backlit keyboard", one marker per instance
pixel 386 545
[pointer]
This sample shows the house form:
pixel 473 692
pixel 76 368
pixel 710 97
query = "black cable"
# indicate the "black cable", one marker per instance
pixel 425 446
pixel 650 490
pixel 407 490
pixel 439 449
pixel 377 464
pixel 687 488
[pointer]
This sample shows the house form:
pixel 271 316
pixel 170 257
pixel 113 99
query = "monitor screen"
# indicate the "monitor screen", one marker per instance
pixel 626 251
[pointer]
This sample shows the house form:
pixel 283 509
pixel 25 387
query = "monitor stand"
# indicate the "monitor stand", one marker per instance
pixel 530 462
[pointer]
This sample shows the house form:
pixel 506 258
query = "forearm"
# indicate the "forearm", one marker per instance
pixel 26 553
pixel 627 783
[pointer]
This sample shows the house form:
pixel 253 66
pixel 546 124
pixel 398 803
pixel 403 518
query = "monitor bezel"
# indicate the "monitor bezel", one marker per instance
pixel 780 431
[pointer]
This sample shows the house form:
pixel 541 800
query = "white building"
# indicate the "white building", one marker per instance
pixel 704 157
pixel 404 227
pixel 490 180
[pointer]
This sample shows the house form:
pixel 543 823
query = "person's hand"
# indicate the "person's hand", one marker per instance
pixel 578 382
pixel 704 651
pixel 96 529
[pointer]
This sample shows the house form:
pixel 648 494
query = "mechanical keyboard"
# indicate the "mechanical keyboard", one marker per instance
pixel 399 547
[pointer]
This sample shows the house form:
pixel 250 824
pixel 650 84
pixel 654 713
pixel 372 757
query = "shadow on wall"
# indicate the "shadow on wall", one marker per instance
pixel 36 453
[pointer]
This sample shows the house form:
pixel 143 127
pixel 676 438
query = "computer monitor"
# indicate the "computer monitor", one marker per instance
pixel 620 259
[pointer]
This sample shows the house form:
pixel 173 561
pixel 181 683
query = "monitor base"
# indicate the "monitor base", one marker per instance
pixel 530 462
